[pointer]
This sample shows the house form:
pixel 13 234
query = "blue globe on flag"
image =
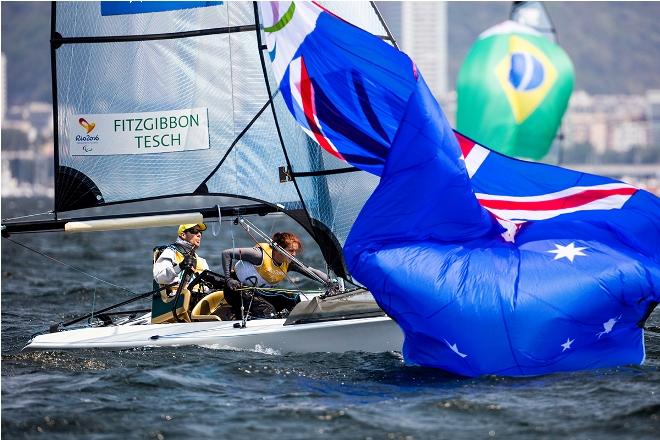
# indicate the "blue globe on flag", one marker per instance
pixel 526 72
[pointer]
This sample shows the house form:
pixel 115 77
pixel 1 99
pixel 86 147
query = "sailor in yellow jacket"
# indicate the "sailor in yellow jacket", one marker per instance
pixel 263 266
pixel 180 255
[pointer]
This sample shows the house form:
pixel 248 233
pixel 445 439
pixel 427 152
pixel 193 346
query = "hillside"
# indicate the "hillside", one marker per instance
pixel 615 46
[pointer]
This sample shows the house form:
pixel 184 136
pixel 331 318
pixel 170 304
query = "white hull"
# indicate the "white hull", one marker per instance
pixel 374 335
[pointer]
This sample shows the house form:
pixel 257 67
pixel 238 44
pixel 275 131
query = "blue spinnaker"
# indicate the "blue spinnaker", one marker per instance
pixel 490 265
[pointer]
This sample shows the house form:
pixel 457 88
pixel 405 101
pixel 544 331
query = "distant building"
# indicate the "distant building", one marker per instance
pixel 608 122
pixel 17 134
pixel 628 134
pixel 391 13
pixel 579 122
pixel 27 150
pixel 653 117
pixel 586 128
pixel 448 103
pixel 424 39
pixel 3 98
pixel 38 114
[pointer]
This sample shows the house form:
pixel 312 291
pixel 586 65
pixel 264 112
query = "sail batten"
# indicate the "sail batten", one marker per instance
pixel 151 37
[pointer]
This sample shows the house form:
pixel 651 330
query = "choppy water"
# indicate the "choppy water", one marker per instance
pixel 191 392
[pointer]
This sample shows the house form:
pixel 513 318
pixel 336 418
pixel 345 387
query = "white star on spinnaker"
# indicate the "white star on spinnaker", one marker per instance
pixel 569 252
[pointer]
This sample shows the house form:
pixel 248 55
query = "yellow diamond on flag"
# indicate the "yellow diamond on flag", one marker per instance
pixel 526 76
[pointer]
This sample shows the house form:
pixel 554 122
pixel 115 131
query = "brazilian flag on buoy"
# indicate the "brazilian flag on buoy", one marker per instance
pixel 513 90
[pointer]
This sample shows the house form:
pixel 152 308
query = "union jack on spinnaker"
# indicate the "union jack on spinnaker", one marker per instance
pixel 489 264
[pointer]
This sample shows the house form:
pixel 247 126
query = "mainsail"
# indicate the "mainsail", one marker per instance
pixel 534 15
pixel 162 99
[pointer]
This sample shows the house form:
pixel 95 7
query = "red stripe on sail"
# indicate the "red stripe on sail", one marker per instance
pixel 307 96
pixel 320 6
pixel 466 144
pixel 571 201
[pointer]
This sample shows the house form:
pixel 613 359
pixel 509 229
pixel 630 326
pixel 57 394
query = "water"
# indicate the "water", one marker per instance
pixel 192 392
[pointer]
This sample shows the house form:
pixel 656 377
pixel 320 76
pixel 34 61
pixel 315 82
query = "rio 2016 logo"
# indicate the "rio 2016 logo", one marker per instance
pixel 87 138
pixel 88 126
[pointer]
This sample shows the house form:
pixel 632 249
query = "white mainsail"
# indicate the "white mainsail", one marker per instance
pixel 159 66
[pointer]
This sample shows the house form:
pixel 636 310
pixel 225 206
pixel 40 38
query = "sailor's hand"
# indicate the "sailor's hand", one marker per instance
pixel 332 286
pixel 233 284
pixel 187 263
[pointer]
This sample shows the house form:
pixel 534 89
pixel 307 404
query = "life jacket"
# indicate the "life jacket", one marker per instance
pixel 268 273
pixel 161 304
pixel 199 261
pixel 178 257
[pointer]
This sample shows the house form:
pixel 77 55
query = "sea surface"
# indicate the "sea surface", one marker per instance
pixel 194 392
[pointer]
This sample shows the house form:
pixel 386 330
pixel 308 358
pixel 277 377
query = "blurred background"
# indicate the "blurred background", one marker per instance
pixel 611 125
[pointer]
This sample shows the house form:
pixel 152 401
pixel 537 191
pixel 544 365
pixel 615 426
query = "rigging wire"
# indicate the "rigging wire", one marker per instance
pixel 91 318
pixel 29 215
pixel 277 290
pixel 69 266
pixel 215 229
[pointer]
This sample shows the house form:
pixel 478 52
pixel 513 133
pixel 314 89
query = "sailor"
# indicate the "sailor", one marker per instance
pixel 180 255
pixel 264 266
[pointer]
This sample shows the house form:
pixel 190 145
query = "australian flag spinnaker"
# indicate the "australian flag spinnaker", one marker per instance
pixel 489 264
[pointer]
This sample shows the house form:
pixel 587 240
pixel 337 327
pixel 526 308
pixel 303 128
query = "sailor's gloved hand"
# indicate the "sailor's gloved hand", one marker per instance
pixel 188 262
pixel 233 284
pixel 332 287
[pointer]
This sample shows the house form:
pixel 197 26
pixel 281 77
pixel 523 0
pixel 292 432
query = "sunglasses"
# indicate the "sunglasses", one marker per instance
pixel 194 231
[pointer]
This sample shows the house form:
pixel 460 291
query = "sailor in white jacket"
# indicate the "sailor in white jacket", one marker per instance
pixel 175 258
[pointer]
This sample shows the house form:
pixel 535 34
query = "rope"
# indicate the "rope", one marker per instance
pixel 93 305
pixel 69 266
pixel 277 289
pixel 215 230
pixel 244 316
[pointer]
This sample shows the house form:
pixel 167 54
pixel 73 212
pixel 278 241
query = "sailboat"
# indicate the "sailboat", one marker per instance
pixel 169 100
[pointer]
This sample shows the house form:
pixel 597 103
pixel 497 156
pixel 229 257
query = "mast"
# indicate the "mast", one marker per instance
pixel 535 15
pixel 53 71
